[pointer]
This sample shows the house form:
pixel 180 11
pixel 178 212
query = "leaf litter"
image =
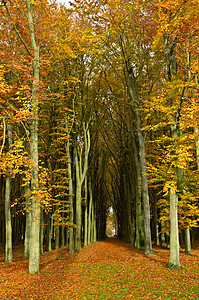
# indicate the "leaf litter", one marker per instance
pixel 110 269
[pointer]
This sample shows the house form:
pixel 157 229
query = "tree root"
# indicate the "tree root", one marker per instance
pixel 173 266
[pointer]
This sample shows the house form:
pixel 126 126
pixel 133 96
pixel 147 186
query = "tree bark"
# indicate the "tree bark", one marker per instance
pixel 27 228
pixel 90 210
pixel 80 177
pixel 48 233
pixel 146 207
pixel 8 245
pixel 34 256
pixel 174 261
pixel 41 231
pixel 187 241
pixel 86 213
pixel 8 241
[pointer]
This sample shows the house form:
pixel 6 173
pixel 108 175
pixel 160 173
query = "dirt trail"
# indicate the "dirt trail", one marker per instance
pixel 110 250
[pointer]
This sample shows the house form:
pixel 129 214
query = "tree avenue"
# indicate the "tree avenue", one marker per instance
pixel 99 109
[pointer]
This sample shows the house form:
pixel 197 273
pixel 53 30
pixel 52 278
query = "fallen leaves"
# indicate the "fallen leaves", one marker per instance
pixel 110 269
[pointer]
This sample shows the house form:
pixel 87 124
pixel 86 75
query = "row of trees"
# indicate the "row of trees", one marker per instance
pixel 99 108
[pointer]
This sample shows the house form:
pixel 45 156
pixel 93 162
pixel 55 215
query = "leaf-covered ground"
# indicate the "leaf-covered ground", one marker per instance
pixel 109 269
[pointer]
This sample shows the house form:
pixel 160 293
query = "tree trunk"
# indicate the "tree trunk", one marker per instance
pixel 80 177
pixel 34 256
pixel 27 228
pixel 71 196
pixel 169 52
pixel 174 261
pixel 139 240
pixel 156 224
pixel 8 241
pixel 8 244
pixel 86 214
pixel 162 238
pixel 187 241
pixel 56 236
pixel 63 232
pixel 41 231
pixel 78 207
pixel 94 225
pixel 135 98
pixel 89 210
pixel 48 234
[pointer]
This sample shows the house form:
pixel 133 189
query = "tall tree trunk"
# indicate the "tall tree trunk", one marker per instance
pixel 8 241
pixel 41 230
pixel 187 241
pixel 48 233
pixel 169 52
pixel 34 256
pixel 86 213
pixel 71 196
pixel 174 261
pixel 139 240
pixel 162 237
pixel 156 224
pixel 56 236
pixel 27 228
pixel 62 232
pixel 197 147
pixel 70 178
pixel 80 177
pixel 94 225
pixel 78 205
pixel 89 210
pixel 146 207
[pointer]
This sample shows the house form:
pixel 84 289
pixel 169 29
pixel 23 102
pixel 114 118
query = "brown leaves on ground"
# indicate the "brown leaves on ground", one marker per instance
pixel 110 269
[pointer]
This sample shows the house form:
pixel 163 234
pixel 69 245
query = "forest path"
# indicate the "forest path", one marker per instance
pixel 110 269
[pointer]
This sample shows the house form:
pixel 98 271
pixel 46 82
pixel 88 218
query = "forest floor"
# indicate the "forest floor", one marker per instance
pixel 110 269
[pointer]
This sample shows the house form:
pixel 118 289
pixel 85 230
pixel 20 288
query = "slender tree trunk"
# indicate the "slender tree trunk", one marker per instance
pixel 78 206
pixel 8 242
pixel 94 225
pixel 34 256
pixel 71 196
pixel 66 236
pixel 8 245
pixel 139 240
pixel 86 213
pixel 70 178
pixel 197 147
pixel 56 236
pixel 135 98
pixel 174 261
pixel 156 223
pixel 187 241
pixel 89 210
pixel 63 232
pixel 27 228
pixel 80 177
pixel 162 235
pixel 48 233
pixel 41 231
